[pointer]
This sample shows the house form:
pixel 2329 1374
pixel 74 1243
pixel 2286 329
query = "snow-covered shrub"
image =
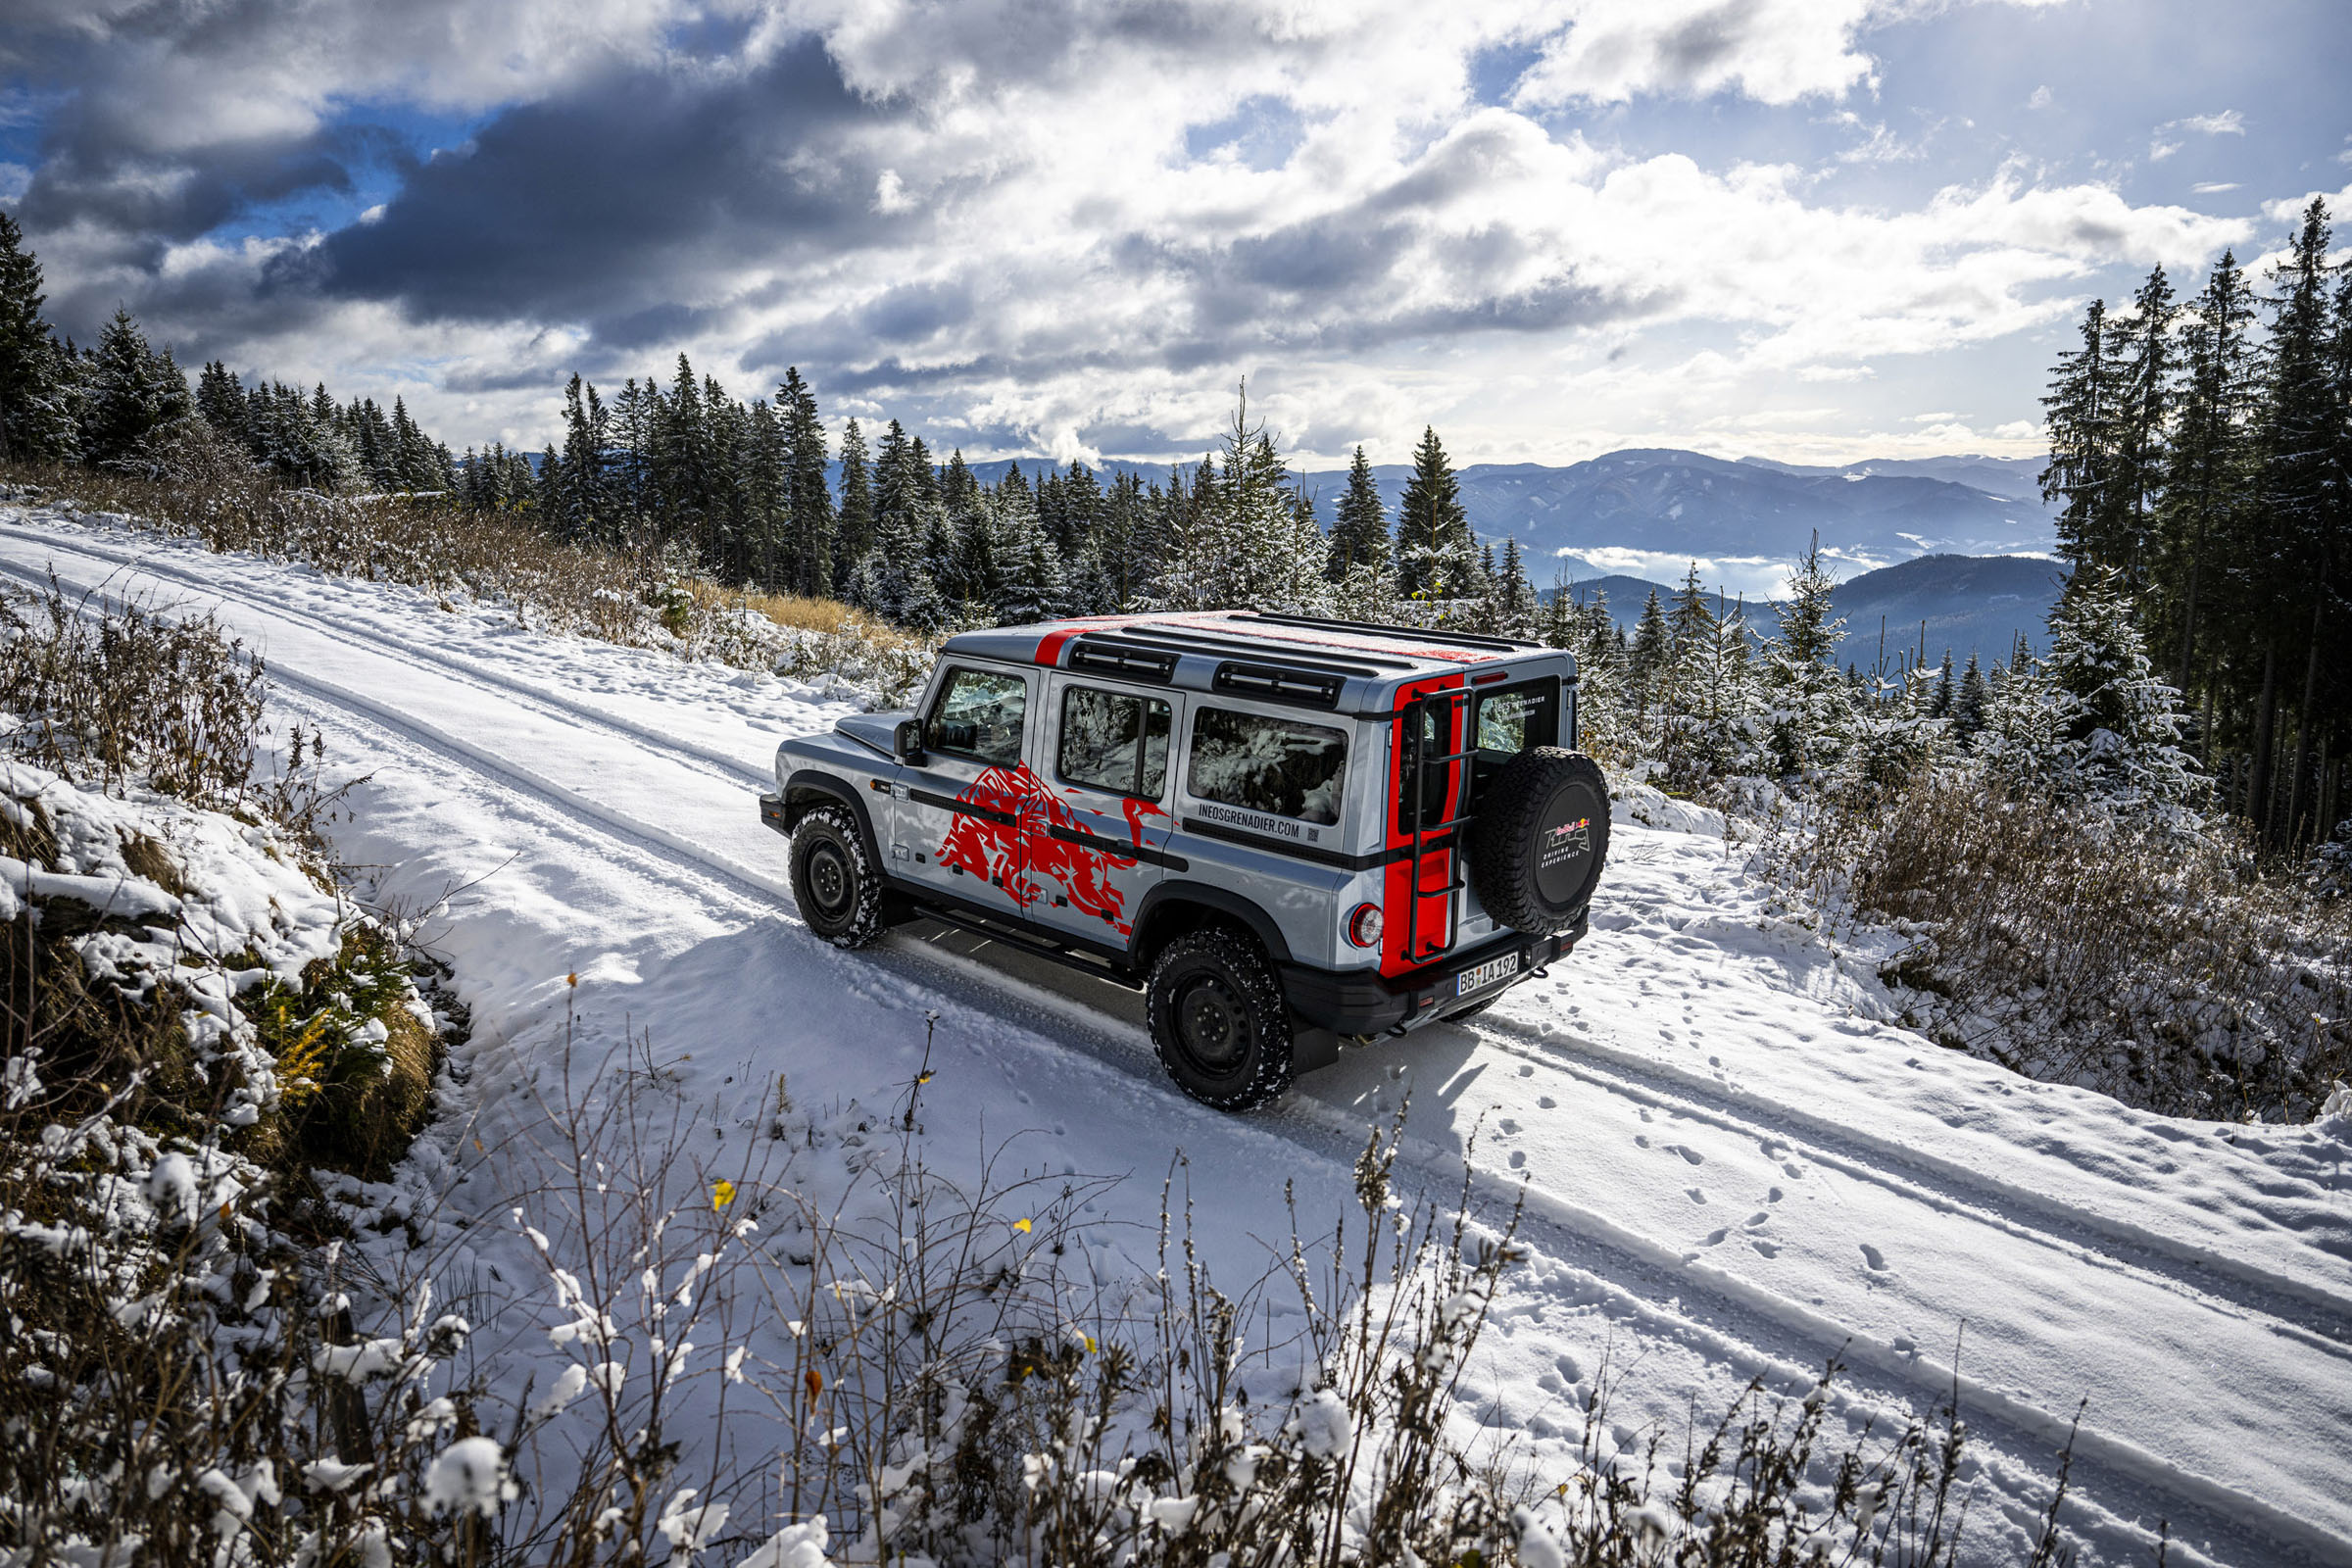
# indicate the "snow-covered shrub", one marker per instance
pixel 2081 944
pixel 193 1017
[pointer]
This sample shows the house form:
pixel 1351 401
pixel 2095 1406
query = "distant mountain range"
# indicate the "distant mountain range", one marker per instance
pixel 1671 503
pixel 1950 541
pixel 1967 604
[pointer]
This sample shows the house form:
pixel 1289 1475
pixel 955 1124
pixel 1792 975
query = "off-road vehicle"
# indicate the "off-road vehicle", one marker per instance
pixel 1286 832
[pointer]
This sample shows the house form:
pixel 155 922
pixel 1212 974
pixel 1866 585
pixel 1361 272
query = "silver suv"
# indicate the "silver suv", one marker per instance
pixel 1286 832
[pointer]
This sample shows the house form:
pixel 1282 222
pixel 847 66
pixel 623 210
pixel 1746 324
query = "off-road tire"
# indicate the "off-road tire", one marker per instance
pixel 833 878
pixel 1218 1020
pixel 1532 865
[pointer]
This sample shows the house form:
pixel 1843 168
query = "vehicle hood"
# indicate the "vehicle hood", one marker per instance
pixel 871 729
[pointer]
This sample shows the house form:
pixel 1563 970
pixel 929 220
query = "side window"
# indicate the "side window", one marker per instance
pixel 1114 741
pixel 1275 765
pixel 979 715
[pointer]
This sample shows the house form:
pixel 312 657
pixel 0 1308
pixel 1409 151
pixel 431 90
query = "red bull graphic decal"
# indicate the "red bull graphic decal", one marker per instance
pixel 1014 846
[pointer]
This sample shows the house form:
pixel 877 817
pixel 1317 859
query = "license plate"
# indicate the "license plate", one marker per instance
pixel 1486 975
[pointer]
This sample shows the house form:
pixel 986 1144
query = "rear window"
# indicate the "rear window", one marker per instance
pixel 1512 719
pixel 1261 764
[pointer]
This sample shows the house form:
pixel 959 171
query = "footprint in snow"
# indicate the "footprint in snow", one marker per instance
pixel 1690 1155
pixel 1759 1217
pixel 1768 1249
pixel 1874 1257
pixel 1546 1102
pixel 1697 1194
pixel 1715 1238
pixel 1518 1158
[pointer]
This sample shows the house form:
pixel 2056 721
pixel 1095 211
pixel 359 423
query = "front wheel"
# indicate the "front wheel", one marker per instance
pixel 833 879
pixel 1218 1020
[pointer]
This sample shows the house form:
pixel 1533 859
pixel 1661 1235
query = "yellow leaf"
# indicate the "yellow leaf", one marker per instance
pixel 723 1192
pixel 1089 1342
pixel 572 979
pixel 1021 1225
pixel 924 1079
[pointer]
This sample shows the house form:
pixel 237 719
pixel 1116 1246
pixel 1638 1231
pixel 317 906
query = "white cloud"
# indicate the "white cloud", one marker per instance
pixel 2228 122
pixel 1774 51
pixel 2213 187
pixel 2040 99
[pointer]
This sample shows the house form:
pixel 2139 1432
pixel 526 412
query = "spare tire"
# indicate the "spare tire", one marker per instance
pixel 1537 839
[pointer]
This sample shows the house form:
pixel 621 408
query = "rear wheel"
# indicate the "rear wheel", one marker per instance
pixel 1218 1020
pixel 833 879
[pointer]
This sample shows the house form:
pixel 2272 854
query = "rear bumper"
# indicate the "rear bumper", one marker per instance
pixel 1362 1002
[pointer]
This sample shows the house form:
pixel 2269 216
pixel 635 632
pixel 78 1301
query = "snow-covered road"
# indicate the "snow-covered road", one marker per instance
pixel 1734 1164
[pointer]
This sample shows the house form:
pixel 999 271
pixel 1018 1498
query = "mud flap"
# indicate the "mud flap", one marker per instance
pixel 1313 1048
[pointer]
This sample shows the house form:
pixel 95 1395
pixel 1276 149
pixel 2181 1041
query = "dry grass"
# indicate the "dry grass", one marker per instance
pixel 2154 965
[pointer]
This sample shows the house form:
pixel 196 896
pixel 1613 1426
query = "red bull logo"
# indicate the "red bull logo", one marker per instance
pixel 1014 847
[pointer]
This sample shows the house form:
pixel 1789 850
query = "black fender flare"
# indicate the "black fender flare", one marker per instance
pixel 1148 922
pixel 810 780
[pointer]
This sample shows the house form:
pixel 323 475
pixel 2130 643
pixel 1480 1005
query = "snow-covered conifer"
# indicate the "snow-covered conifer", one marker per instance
pixel 1808 704
pixel 2116 726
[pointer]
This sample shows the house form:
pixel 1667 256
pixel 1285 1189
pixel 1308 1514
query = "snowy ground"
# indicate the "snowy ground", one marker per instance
pixel 1734 1165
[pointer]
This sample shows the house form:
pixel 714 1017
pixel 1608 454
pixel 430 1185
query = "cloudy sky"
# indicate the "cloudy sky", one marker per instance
pixel 1811 229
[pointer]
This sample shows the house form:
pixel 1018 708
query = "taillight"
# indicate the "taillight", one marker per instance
pixel 1363 926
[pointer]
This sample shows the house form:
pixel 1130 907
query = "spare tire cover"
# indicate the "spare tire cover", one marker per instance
pixel 1537 839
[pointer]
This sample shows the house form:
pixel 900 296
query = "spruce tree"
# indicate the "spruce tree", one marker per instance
pixel 2081 423
pixel 221 401
pixel 132 391
pixel 2115 725
pixel 855 525
pixel 2141 344
pixel 2306 513
pixel 1360 535
pixel 1515 608
pixel 809 564
pixel 1939 702
pixel 29 427
pixel 1810 705
pixel 1437 559
pixel 2212 454
pixel 577 505
pixel 1652 651
pixel 1967 704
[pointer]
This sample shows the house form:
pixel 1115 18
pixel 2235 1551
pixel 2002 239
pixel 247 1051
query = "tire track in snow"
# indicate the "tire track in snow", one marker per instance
pixel 1623 1253
pixel 2324 1320
pixel 158 564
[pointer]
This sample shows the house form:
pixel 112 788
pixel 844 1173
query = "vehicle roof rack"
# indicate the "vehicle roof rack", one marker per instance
pixel 1458 639
pixel 1137 663
pixel 1278 683
pixel 1183 638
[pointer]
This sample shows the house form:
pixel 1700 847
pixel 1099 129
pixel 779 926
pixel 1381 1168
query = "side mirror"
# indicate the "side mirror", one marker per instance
pixel 906 742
